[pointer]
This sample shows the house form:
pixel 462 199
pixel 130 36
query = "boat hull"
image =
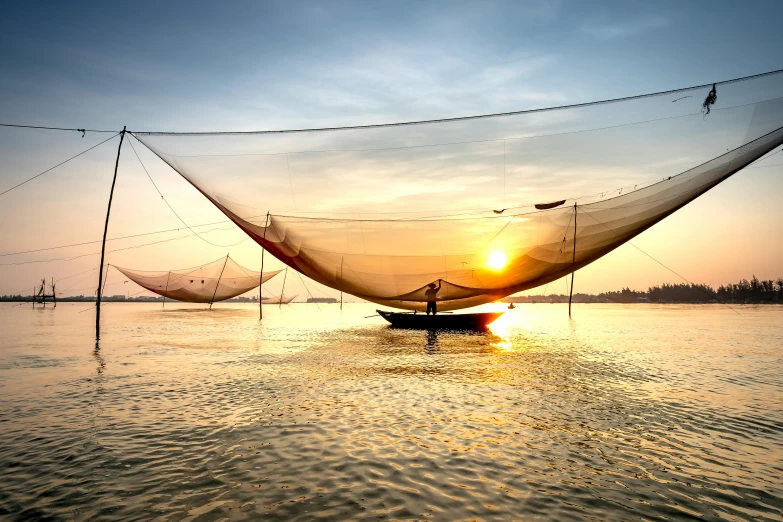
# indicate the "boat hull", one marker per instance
pixel 479 321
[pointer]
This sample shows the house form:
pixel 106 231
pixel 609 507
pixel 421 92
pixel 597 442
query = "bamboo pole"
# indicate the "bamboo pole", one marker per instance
pixel 103 244
pixel 218 282
pixel 282 292
pixel 261 277
pixel 105 278
pixel 573 261
pixel 167 289
pixel 341 282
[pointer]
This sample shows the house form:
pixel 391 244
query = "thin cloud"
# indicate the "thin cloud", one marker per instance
pixel 610 30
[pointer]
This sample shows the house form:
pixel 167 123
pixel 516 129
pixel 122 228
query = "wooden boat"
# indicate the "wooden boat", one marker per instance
pixel 478 321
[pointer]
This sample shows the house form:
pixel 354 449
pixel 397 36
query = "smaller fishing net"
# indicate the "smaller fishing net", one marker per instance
pixel 216 281
pixel 278 299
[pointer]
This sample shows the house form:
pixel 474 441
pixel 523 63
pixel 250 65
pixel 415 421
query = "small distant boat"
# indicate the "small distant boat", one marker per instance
pixel 478 321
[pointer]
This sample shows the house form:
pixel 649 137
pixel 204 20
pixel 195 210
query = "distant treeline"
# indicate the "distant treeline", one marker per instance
pixel 753 291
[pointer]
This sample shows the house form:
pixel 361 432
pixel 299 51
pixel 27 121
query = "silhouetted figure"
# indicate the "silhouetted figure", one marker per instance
pixel 431 295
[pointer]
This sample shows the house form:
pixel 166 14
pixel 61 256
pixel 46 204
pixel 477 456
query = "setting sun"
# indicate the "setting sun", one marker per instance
pixel 497 260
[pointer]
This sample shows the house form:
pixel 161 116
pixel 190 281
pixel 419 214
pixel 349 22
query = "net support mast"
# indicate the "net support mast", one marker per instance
pixel 282 292
pixel 573 261
pixel 261 276
pixel 103 243
pixel 167 289
pixel 105 279
pixel 218 282
pixel 342 259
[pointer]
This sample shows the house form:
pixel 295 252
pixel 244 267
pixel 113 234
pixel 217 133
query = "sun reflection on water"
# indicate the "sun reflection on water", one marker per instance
pixel 501 339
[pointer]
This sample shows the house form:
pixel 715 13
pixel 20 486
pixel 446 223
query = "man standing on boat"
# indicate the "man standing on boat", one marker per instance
pixel 431 295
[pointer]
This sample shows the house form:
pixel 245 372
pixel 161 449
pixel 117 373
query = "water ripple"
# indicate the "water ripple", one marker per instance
pixel 195 416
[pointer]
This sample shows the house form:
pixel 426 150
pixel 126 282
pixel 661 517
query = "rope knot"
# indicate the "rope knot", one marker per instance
pixel 709 101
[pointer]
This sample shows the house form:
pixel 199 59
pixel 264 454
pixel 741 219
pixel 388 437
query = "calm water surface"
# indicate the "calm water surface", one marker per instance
pixel 636 412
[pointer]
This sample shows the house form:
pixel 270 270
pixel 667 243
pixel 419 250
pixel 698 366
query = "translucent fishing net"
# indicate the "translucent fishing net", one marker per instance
pixel 381 212
pixel 278 299
pixel 216 281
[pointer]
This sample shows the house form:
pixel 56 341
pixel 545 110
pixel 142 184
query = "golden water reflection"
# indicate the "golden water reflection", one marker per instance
pixel 619 413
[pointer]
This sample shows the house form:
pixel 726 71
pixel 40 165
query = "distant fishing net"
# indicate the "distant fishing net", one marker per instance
pixel 489 206
pixel 215 281
pixel 278 299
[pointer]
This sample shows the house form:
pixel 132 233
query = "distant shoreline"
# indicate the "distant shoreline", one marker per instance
pixel 753 291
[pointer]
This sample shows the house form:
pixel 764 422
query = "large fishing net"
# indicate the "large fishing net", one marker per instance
pixel 482 207
pixel 216 281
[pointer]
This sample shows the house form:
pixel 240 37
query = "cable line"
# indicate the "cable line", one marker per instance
pixel 172 209
pixel 423 122
pixel 306 290
pixel 699 288
pixel 61 292
pixel 71 258
pixel 118 238
pixel 83 131
pixel 63 163
pixel 466 118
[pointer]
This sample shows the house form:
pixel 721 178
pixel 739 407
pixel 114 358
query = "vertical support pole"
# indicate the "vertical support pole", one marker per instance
pixel 105 279
pixel 167 289
pixel 43 291
pixel 103 244
pixel 218 282
pixel 261 277
pixel 341 282
pixel 282 292
pixel 573 261
pixel 54 294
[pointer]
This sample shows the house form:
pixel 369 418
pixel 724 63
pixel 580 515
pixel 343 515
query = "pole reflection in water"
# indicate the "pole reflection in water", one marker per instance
pixel 99 358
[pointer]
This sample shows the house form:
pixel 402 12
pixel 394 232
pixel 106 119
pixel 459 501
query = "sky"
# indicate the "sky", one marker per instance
pixel 198 66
